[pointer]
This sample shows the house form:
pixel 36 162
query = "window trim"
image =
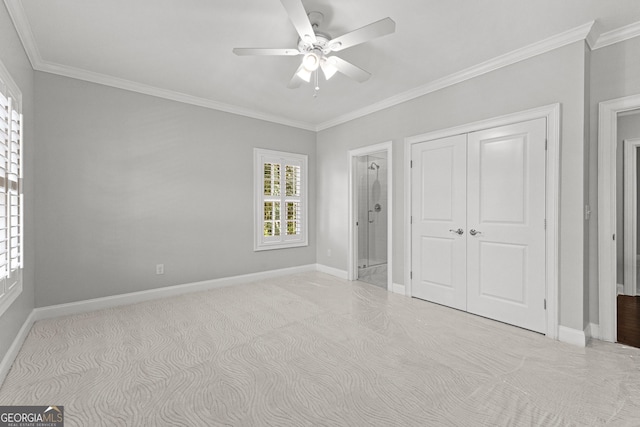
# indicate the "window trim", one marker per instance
pixel 261 156
pixel 11 285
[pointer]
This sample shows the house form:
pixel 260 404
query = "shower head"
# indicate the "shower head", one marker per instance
pixel 374 166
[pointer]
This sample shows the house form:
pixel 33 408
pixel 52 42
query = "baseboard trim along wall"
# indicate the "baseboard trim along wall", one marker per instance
pixel 593 331
pixel 52 311
pixel 399 289
pixel 567 335
pixel 16 345
pixel 342 274
pixel 78 307
pixel 573 336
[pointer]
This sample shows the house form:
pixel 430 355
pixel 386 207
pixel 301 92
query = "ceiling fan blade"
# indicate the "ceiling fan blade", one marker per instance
pixel 299 19
pixel 377 29
pixel 243 51
pixel 296 80
pixel 348 69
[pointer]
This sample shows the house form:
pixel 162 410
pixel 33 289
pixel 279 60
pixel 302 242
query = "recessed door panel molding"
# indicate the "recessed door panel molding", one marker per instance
pixel 503 175
pixel 437 181
pixel 439 216
pixel 503 272
pixel 519 295
pixel 437 263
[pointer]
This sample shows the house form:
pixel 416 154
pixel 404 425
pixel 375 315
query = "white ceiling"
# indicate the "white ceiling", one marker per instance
pixel 182 49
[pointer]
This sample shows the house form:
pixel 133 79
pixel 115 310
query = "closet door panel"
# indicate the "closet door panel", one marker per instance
pixel 505 217
pixel 438 212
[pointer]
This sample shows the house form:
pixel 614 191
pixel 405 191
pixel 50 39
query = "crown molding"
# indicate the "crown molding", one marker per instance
pixel 132 86
pixel 618 35
pixel 20 21
pixel 588 32
pixel 538 48
pixel 593 35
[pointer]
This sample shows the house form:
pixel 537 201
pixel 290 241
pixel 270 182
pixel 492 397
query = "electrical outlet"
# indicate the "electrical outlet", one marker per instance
pixel 159 268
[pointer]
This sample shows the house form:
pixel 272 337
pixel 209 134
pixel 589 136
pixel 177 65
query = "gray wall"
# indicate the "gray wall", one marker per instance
pixel 628 127
pixel 557 76
pixel 15 60
pixel 127 181
pixel 615 73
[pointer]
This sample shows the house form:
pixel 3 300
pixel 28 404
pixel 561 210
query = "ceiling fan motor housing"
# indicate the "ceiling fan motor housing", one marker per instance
pixel 323 40
pixel 323 43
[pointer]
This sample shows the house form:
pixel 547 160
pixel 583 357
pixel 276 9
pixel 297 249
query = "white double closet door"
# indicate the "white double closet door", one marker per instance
pixel 478 223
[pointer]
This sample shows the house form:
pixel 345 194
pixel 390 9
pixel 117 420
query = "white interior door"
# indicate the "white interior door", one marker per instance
pixel 438 212
pixel 490 185
pixel 506 221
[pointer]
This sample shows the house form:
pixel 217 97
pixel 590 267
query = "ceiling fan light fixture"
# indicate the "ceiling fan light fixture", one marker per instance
pixel 311 61
pixel 328 68
pixel 304 74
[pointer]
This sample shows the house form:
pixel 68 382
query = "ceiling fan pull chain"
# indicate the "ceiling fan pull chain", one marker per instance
pixel 317 89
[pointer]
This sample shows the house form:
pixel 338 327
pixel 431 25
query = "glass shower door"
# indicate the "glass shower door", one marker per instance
pixel 372 218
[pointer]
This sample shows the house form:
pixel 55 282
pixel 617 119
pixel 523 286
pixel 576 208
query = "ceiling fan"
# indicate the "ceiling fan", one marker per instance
pixel 317 46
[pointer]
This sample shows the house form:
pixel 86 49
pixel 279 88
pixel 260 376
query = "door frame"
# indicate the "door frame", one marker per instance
pixel 630 156
pixel 552 194
pixel 352 155
pixel 607 222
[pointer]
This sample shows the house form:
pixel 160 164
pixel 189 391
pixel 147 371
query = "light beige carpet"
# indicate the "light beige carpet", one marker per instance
pixel 313 350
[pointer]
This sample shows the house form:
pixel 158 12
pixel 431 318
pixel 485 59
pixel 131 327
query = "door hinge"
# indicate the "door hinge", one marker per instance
pixel 545 144
pixel 357 224
pixel 410 163
pixel 411 275
pixel 614 237
pixel 411 219
pixel 545 303
pixel 545 223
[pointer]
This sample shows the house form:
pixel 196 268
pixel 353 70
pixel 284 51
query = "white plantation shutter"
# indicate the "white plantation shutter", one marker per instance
pixel 11 199
pixel 4 222
pixel 14 192
pixel 280 199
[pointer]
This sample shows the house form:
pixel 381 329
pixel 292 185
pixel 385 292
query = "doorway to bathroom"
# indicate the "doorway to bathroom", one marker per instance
pixel 371 215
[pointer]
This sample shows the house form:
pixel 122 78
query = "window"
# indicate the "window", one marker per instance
pixel 280 199
pixel 11 202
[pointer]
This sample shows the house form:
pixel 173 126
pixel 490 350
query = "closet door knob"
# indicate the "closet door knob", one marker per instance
pixel 474 232
pixel 459 231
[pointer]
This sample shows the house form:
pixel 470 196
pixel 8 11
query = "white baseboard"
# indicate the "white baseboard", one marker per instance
pixel 78 307
pixel 16 345
pixel 332 271
pixel 620 289
pixel 399 289
pixel 572 336
pixel 594 331
pixel 567 335
pixel 151 294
